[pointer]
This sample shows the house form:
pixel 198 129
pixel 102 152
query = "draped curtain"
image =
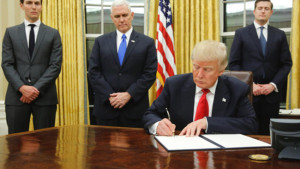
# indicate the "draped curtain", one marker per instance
pixel 68 17
pixel 193 21
pixel 293 91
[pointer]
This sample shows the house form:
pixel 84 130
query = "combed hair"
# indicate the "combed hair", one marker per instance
pixel 255 4
pixel 210 50
pixel 119 3
pixel 22 1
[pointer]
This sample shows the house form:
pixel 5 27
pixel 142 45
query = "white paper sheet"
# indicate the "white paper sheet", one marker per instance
pixel 235 141
pixel 172 143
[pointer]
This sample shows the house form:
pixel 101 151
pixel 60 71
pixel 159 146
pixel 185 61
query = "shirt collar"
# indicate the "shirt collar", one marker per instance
pixel 128 33
pixel 211 89
pixel 37 23
pixel 257 26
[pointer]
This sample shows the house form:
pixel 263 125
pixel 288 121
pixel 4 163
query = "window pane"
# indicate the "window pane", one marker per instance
pixel 282 13
pixel 228 42
pixel 95 2
pixel 89 47
pixel 93 19
pixel 138 21
pixel 108 24
pixel 249 13
pixel 233 16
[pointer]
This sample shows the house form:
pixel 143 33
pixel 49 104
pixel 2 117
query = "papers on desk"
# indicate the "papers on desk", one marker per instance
pixel 209 142
pixel 293 112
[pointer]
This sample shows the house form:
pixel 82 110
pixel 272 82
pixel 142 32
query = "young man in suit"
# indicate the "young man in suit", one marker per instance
pixel 264 50
pixel 122 68
pixel 31 62
pixel 203 100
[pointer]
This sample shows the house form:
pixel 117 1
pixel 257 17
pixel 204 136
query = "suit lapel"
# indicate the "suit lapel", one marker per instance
pixel 39 39
pixel 23 39
pixel 271 34
pixel 113 47
pixel 222 97
pixel 131 45
pixel 255 39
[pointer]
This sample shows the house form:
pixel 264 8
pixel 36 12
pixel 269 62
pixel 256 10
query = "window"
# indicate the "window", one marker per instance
pixel 239 13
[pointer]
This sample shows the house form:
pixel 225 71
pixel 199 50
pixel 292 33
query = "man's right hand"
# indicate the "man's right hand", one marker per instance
pixel 29 92
pixel 257 89
pixel 165 128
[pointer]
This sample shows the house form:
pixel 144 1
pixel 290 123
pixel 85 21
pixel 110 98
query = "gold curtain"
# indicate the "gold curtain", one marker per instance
pixel 293 91
pixel 193 21
pixel 68 17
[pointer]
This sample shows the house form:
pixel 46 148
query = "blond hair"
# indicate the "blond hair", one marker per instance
pixel 210 50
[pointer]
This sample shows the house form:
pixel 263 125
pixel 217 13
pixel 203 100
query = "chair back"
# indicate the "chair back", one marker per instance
pixel 245 76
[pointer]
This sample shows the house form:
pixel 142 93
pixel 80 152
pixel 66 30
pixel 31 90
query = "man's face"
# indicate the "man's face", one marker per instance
pixel 262 12
pixel 205 73
pixel 122 18
pixel 32 9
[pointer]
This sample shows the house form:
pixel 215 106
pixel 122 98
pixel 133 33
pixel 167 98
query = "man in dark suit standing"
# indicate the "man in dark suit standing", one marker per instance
pixel 122 68
pixel 203 100
pixel 31 62
pixel 264 50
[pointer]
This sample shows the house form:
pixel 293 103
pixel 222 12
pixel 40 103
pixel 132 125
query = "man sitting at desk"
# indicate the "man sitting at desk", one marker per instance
pixel 203 100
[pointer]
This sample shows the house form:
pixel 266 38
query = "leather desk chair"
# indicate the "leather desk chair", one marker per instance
pixel 245 76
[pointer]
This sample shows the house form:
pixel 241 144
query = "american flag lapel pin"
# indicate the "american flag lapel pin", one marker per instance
pixel 133 41
pixel 223 100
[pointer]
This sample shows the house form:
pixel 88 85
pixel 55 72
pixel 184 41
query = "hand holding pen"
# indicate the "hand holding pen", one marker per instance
pixel 169 117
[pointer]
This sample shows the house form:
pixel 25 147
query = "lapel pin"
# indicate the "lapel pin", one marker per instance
pixel 223 100
pixel 132 41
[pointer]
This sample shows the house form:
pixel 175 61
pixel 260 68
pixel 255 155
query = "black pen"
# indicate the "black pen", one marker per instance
pixel 169 117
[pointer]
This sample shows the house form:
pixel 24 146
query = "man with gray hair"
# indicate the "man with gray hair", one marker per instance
pixel 204 100
pixel 122 68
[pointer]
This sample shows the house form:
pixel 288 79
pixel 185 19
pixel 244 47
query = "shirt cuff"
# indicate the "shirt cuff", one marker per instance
pixel 152 128
pixel 276 90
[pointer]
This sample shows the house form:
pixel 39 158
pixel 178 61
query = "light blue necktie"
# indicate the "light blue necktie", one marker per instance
pixel 122 49
pixel 263 41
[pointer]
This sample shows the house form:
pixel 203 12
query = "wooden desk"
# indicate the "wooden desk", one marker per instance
pixel 111 147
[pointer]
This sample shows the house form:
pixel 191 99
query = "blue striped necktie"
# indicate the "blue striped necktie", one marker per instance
pixel 122 49
pixel 263 41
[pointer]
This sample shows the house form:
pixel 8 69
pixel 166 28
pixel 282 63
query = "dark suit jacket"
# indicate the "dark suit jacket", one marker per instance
pixel 40 71
pixel 135 76
pixel 246 54
pixel 235 115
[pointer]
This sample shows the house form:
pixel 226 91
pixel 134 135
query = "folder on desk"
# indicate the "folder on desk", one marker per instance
pixel 209 142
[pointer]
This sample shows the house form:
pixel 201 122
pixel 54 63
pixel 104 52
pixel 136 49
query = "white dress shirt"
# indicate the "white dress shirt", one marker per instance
pixel 35 29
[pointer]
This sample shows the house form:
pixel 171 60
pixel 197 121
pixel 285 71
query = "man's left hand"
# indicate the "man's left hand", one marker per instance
pixel 119 100
pixel 267 89
pixel 194 128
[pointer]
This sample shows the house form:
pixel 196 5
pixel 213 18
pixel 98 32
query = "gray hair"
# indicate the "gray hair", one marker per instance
pixel 210 50
pixel 120 3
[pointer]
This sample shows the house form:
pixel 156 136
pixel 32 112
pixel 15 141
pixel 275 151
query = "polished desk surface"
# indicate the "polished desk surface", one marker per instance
pixel 113 147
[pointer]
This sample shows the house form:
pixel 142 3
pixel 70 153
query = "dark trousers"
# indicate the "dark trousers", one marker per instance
pixel 264 112
pixel 18 117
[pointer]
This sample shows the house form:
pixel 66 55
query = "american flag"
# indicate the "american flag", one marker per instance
pixel 164 45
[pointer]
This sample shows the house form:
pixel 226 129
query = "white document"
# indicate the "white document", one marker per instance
pixel 209 141
pixel 235 141
pixel 175 143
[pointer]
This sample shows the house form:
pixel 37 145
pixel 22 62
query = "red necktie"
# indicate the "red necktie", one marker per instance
pixel 202 108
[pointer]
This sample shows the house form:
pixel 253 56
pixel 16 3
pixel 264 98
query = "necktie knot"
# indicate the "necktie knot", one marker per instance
pixel 124 37
pixel 32 25
pixel 205 91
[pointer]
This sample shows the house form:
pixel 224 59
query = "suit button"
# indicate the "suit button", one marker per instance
pixel 120 74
